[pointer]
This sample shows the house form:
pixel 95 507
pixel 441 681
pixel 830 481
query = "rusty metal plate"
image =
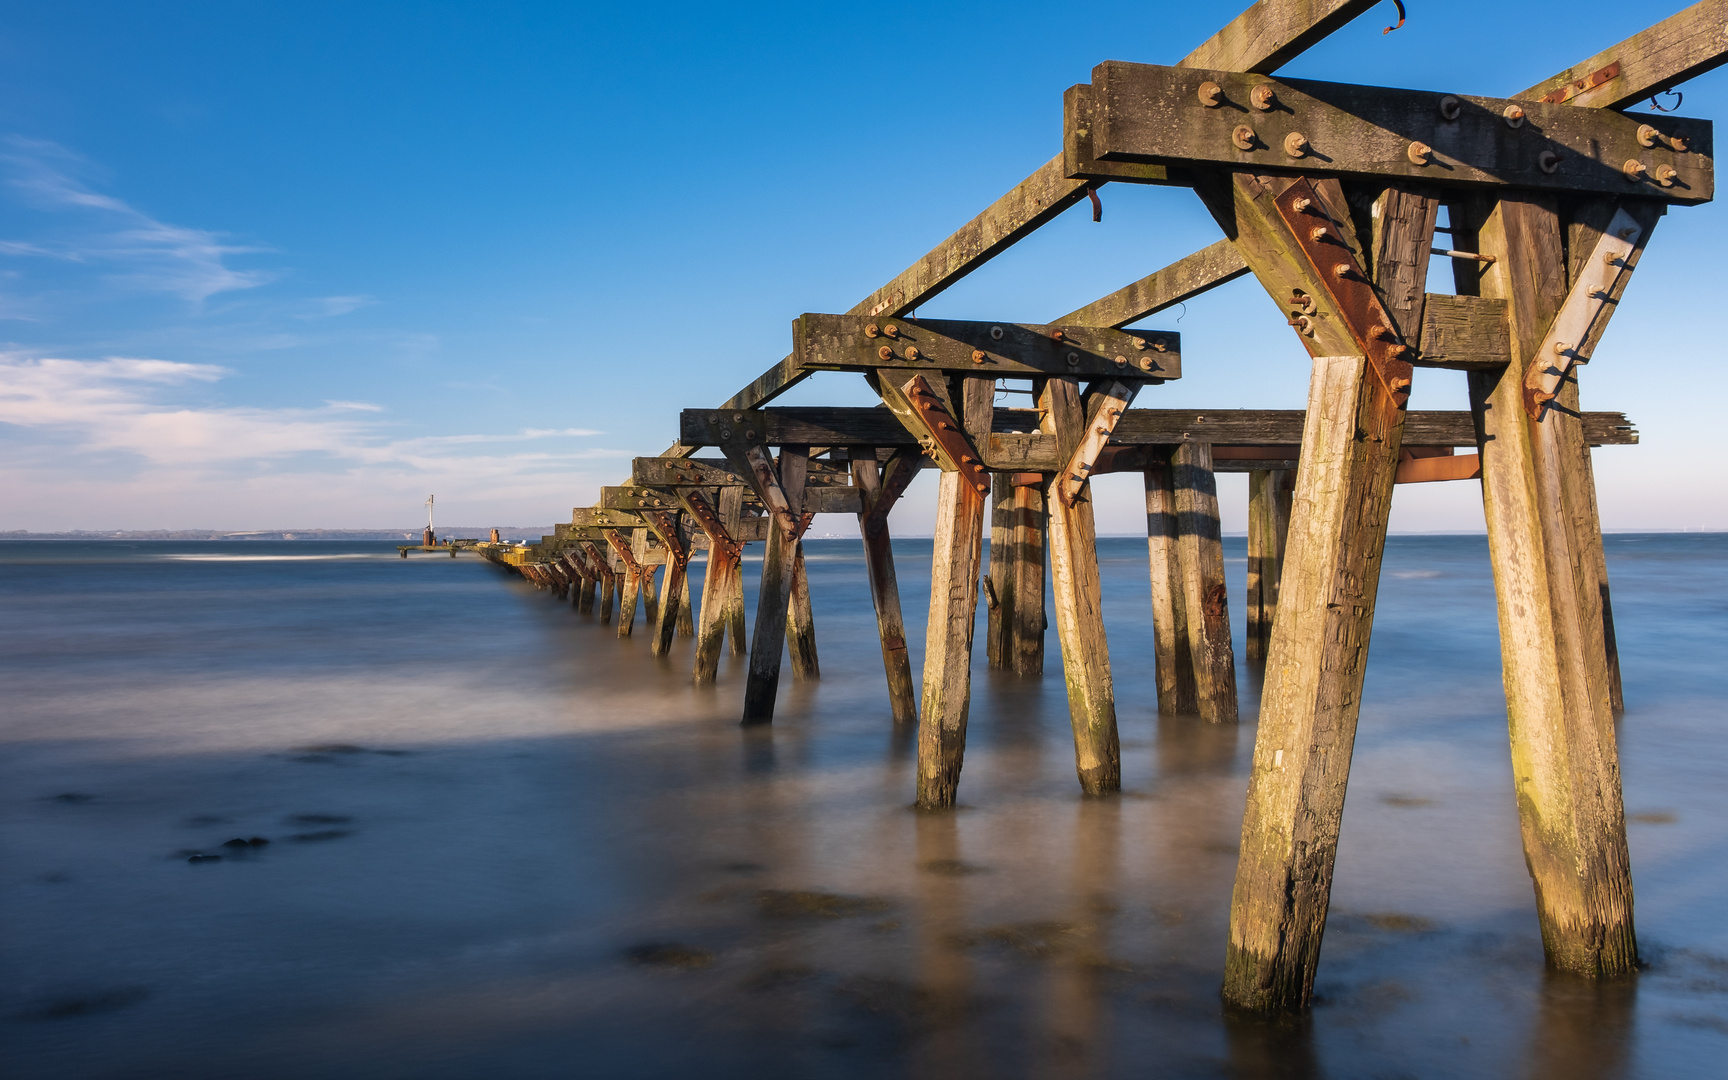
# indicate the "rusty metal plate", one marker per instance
pixel 950 447
pixel 1320 240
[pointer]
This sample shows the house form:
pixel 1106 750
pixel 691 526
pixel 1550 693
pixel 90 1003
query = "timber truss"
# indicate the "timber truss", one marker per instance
pixel 1329 194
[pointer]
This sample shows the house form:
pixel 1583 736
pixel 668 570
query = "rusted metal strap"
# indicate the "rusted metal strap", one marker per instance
pixel 1106 412
pixel 1590 300
pixel 949 444
pixel 1346 284
pixel 718 537
pixel 666 525
pixel 631 566
pixel 1563 94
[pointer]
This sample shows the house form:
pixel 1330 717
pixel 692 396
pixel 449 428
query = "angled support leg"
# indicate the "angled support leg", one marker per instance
pixel 1175 667
pixel 1268 527
pixel 801 623
pixel 878 497
pixel 1205 600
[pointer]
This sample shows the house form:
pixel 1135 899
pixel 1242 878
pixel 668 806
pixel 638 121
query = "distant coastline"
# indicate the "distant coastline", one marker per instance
pixel 514 532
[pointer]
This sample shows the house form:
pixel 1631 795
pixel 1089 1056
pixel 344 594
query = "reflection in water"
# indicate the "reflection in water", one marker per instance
pixel 503 841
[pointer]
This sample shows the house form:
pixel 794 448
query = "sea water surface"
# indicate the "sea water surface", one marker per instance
pixel 503 842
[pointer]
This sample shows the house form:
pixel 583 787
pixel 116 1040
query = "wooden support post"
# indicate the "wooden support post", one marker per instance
pixel 778 565
pixel 876 500
pixel 1175 668
pixel 732 516
pixel 1000 579
pixel 1268 527
pixel 677 588
pixel 1079 617
pixel 1205 599
pixel 801 623
pixel 608 592
pixel 585 590
pixel 1351 438
pixel 954 564
pixel 1536 485
pixel 686 612
pixel 650 603
pixel 631 587
pixel 718 581
pixel 1026 541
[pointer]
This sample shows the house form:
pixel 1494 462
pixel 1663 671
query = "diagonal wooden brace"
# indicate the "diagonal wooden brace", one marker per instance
pixel 1348 286
pixel 665 526
pixel 947 443
pixel 622 547
pixel 1109 403
pixel 1588 305
pixel 897 473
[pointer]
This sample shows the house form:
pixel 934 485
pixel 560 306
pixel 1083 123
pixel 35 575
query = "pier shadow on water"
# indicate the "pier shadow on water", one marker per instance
pixel 354 816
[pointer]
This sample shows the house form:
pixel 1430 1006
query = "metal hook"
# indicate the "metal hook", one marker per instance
pixel 1656 106
pixel 1399 4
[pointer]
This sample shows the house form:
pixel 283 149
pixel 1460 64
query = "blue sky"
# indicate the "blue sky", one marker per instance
pixel 298 265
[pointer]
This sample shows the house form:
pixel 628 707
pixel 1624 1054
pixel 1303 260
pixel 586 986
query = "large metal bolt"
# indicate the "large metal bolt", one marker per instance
pixel 1634 170
pixel 737 418
pixel 1677 144
pixel 1145 363
pixel 1243 137
pixel 1342 270
pixel 1159 344
pixel 750 434
pixel 1121 361
pixel 1418 153
pixel 872 330
pixel 1548 161
pixel 912 352
pixel 1648 136
pixel 1140 343
pixel 1514 115
pixel 1302 204
pixel 1056 335
pixel 1073 359
pixel 1317 233
pixel 891 330
pixel 1211 94
pixel 885 353
pixel 1450 107
pixel 1665 175
pixel 1295 144
pixel 1263 97
pixel 725 433
pixel 995 333
pixel 977 356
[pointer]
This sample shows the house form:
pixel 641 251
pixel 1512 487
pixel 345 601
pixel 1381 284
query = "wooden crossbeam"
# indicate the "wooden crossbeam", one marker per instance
pixel 838 426
pixel 1003 350
pixel 1271 33
pixel 1171 116
pixel 1678 48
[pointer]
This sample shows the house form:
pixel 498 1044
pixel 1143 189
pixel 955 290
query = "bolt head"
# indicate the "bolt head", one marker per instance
pixel 1634 170
pixel 977 356
pixel 1295 144
pixel 1342 270
pixel 1159 344
pixel 1450 107
pixel 885 353
pixel 1243 137
pixel 1211 94
pixel 912 352
pixel 725 433
pixel 1302 204
pixel 1140 343
pixel 1263 97
pixel 1121 361
pixel 1317 233
pixel 1418 153
pixel 1548 161
pixel 1514 116
pixel 1665 175
pixel 1145 363
pixel 737 418
pixel 750 434
pixel 872 330
pixel 995 333
pixel 1647 135
pixel 891 330
pixel 1056 335
pixel 1073 359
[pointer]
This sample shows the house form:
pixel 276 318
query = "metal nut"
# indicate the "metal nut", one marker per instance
pixel 872 330
pixel 1121 361
pixel 1211 94
pixel 1634 170
pixel 977 356
pixel 1548 161
pixel 750 434
pixel 1317 233
pixel 1243 137
pixel 1145 363
pixel 995 333
pixel 1677 144
pixel 1418 153
pixel 1304 325
pixel 1302 204
pixel 1648 136
pixel 1450 107
pixel 1263 97
pixel 1140 343
pixel 912 352
pixel 1056 335
pixel 1665 175
pixel 1514 115
pixel 1295 144
pixel 891 330
pixel 1159 344
pixel 1342 270
pixel 1073 359
pixel 885 353
pixel 737 418
pixel 725 433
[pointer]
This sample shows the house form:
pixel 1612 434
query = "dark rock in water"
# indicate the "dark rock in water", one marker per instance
pixel 258 841
pixel 661 954
pixel 802 903
pixel 89 1004
pixel 71 797
pixel 319 819
pixel 201 858
pixel 321 834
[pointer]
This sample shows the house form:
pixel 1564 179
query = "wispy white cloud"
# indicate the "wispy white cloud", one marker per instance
pixel 123 431
pixel 135 250
pixel 328 307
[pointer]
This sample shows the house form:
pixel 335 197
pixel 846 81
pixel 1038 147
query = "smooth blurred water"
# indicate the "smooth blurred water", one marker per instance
pixel 505 843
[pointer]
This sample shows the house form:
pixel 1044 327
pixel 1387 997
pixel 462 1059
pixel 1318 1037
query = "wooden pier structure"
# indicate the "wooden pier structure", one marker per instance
pixel 1329 194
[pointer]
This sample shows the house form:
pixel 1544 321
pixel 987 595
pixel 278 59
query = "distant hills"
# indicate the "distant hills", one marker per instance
pixel 513 532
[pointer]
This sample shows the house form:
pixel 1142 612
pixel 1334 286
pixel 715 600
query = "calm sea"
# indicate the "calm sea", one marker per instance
pixel 504 843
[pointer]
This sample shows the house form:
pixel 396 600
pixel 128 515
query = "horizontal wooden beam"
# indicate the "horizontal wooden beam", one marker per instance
pixel 1144 112
pixel 1427 470
pixel 1007 350
pixel 661 472
pixel 1161 427
pixel 1678 48
pixel 1182 280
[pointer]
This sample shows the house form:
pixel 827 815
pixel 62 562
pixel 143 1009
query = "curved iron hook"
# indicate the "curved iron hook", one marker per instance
pixel 1656 106
pixel 1399 4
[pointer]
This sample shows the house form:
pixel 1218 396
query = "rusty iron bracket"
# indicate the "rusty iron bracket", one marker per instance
pixel 631 566
pixel 666 525
pixel 1563 94
pixel 598 559
pixel 570 559
pixel 1339 272
pixel 718 538
pixel 1588 304
pixel 947 443
pixel 1113 401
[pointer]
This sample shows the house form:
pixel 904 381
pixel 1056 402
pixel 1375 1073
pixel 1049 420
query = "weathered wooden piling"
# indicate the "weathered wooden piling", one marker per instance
pixel 954 565
pixel 1015 585
pixel 1175 666
pixel 1269 493
pixel 1205 600
pixel 801 623
pixel 779 564
pixel 876 498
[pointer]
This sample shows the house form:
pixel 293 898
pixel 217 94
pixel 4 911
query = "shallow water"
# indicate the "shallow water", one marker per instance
pixel 503 842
